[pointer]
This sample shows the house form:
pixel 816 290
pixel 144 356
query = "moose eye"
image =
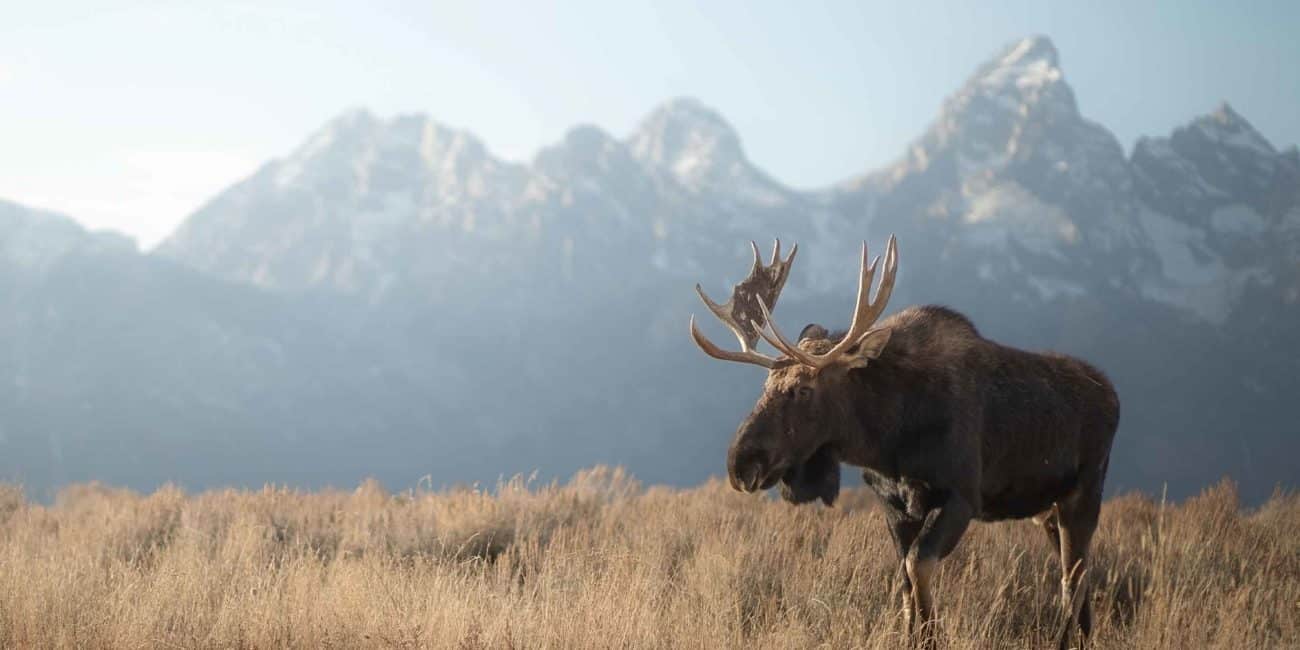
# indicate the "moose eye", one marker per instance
pixel 803 393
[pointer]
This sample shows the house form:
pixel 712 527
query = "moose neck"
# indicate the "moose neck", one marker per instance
pixel 886 398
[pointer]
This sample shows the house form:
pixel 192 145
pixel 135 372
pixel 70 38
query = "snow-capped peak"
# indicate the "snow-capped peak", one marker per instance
pixel 683 124
pixel 353 144
pixel 1035 47
pixel 1025 77
pixel 591 159
pixel 1228 128
pixel 584 145
pixel 1030 63
pixel 1218 156
pixel 347 126
pixel 1017 111
pixel 693 144
pixel 690 140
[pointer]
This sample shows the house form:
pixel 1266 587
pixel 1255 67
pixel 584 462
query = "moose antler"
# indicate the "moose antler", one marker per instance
pixel 865 313
pixel 744 312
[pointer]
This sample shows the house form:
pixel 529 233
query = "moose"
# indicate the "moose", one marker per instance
pixel 948 426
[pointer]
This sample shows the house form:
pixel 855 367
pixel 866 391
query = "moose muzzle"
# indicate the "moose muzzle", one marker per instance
pixel 751 469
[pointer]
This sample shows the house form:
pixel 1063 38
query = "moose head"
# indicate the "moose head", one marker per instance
pixel 805 407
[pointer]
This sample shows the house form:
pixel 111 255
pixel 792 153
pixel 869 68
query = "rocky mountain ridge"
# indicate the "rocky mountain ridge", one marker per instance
pixel 392 286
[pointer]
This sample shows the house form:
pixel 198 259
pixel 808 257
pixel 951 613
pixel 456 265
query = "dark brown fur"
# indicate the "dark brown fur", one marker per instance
pixel 948 427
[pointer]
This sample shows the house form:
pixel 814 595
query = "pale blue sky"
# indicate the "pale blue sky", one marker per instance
pixel 128 115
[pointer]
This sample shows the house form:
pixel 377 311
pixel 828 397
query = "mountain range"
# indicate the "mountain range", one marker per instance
pixel 391 300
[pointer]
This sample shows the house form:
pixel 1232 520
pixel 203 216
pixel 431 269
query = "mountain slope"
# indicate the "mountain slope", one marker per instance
pixel 439 308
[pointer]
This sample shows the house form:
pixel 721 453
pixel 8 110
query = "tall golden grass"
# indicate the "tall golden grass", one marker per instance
pixel 601 562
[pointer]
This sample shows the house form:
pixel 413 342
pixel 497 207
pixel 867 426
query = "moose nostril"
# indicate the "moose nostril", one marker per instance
pixel 750 458
pixel 747 466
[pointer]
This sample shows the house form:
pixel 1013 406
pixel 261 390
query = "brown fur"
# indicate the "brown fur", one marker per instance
pixel 948 427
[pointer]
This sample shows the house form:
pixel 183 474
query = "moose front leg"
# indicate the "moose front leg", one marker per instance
pixel 944 526
pixel 904 530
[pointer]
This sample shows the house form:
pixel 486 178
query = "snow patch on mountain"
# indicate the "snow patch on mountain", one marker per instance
pixel 1194 277
pixel 1238 219
pixel 702 152
pixel 1009 177
pixel 1028 65
pixel 1227 128
pixel 1049 288
pixel 1006 213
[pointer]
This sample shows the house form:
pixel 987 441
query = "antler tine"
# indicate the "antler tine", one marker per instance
pixel 744 356
pixel 866 310
pixel 862 309
pixel 886 287
pixel 772 334
pixel 722 315
pixel 784 266
pixel 763 286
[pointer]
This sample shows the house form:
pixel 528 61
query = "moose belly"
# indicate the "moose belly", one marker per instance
pixel 1024 496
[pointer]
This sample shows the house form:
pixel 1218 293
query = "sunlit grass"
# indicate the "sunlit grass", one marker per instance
pixel 603 562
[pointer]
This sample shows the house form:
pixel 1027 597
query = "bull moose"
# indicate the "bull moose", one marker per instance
pixel 947 426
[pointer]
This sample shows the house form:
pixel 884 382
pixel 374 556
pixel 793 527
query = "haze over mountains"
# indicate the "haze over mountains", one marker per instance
pixel 391 300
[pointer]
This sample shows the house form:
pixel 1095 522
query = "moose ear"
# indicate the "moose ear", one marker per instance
pixel 869 347
pixel 813 331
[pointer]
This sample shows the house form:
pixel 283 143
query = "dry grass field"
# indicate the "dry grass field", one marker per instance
pixel 602 562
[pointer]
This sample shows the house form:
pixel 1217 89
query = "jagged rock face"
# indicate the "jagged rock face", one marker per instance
pixel 366 204
pixel 1012 186
pixel 450 312
pixel 1228 207
pixel 702 153
pixel 348 207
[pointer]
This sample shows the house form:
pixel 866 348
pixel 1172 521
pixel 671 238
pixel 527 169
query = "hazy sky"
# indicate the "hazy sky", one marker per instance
pixel 128 115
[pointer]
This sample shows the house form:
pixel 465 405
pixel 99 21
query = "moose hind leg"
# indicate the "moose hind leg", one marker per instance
pixel 1047 520
pixel 1076 520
